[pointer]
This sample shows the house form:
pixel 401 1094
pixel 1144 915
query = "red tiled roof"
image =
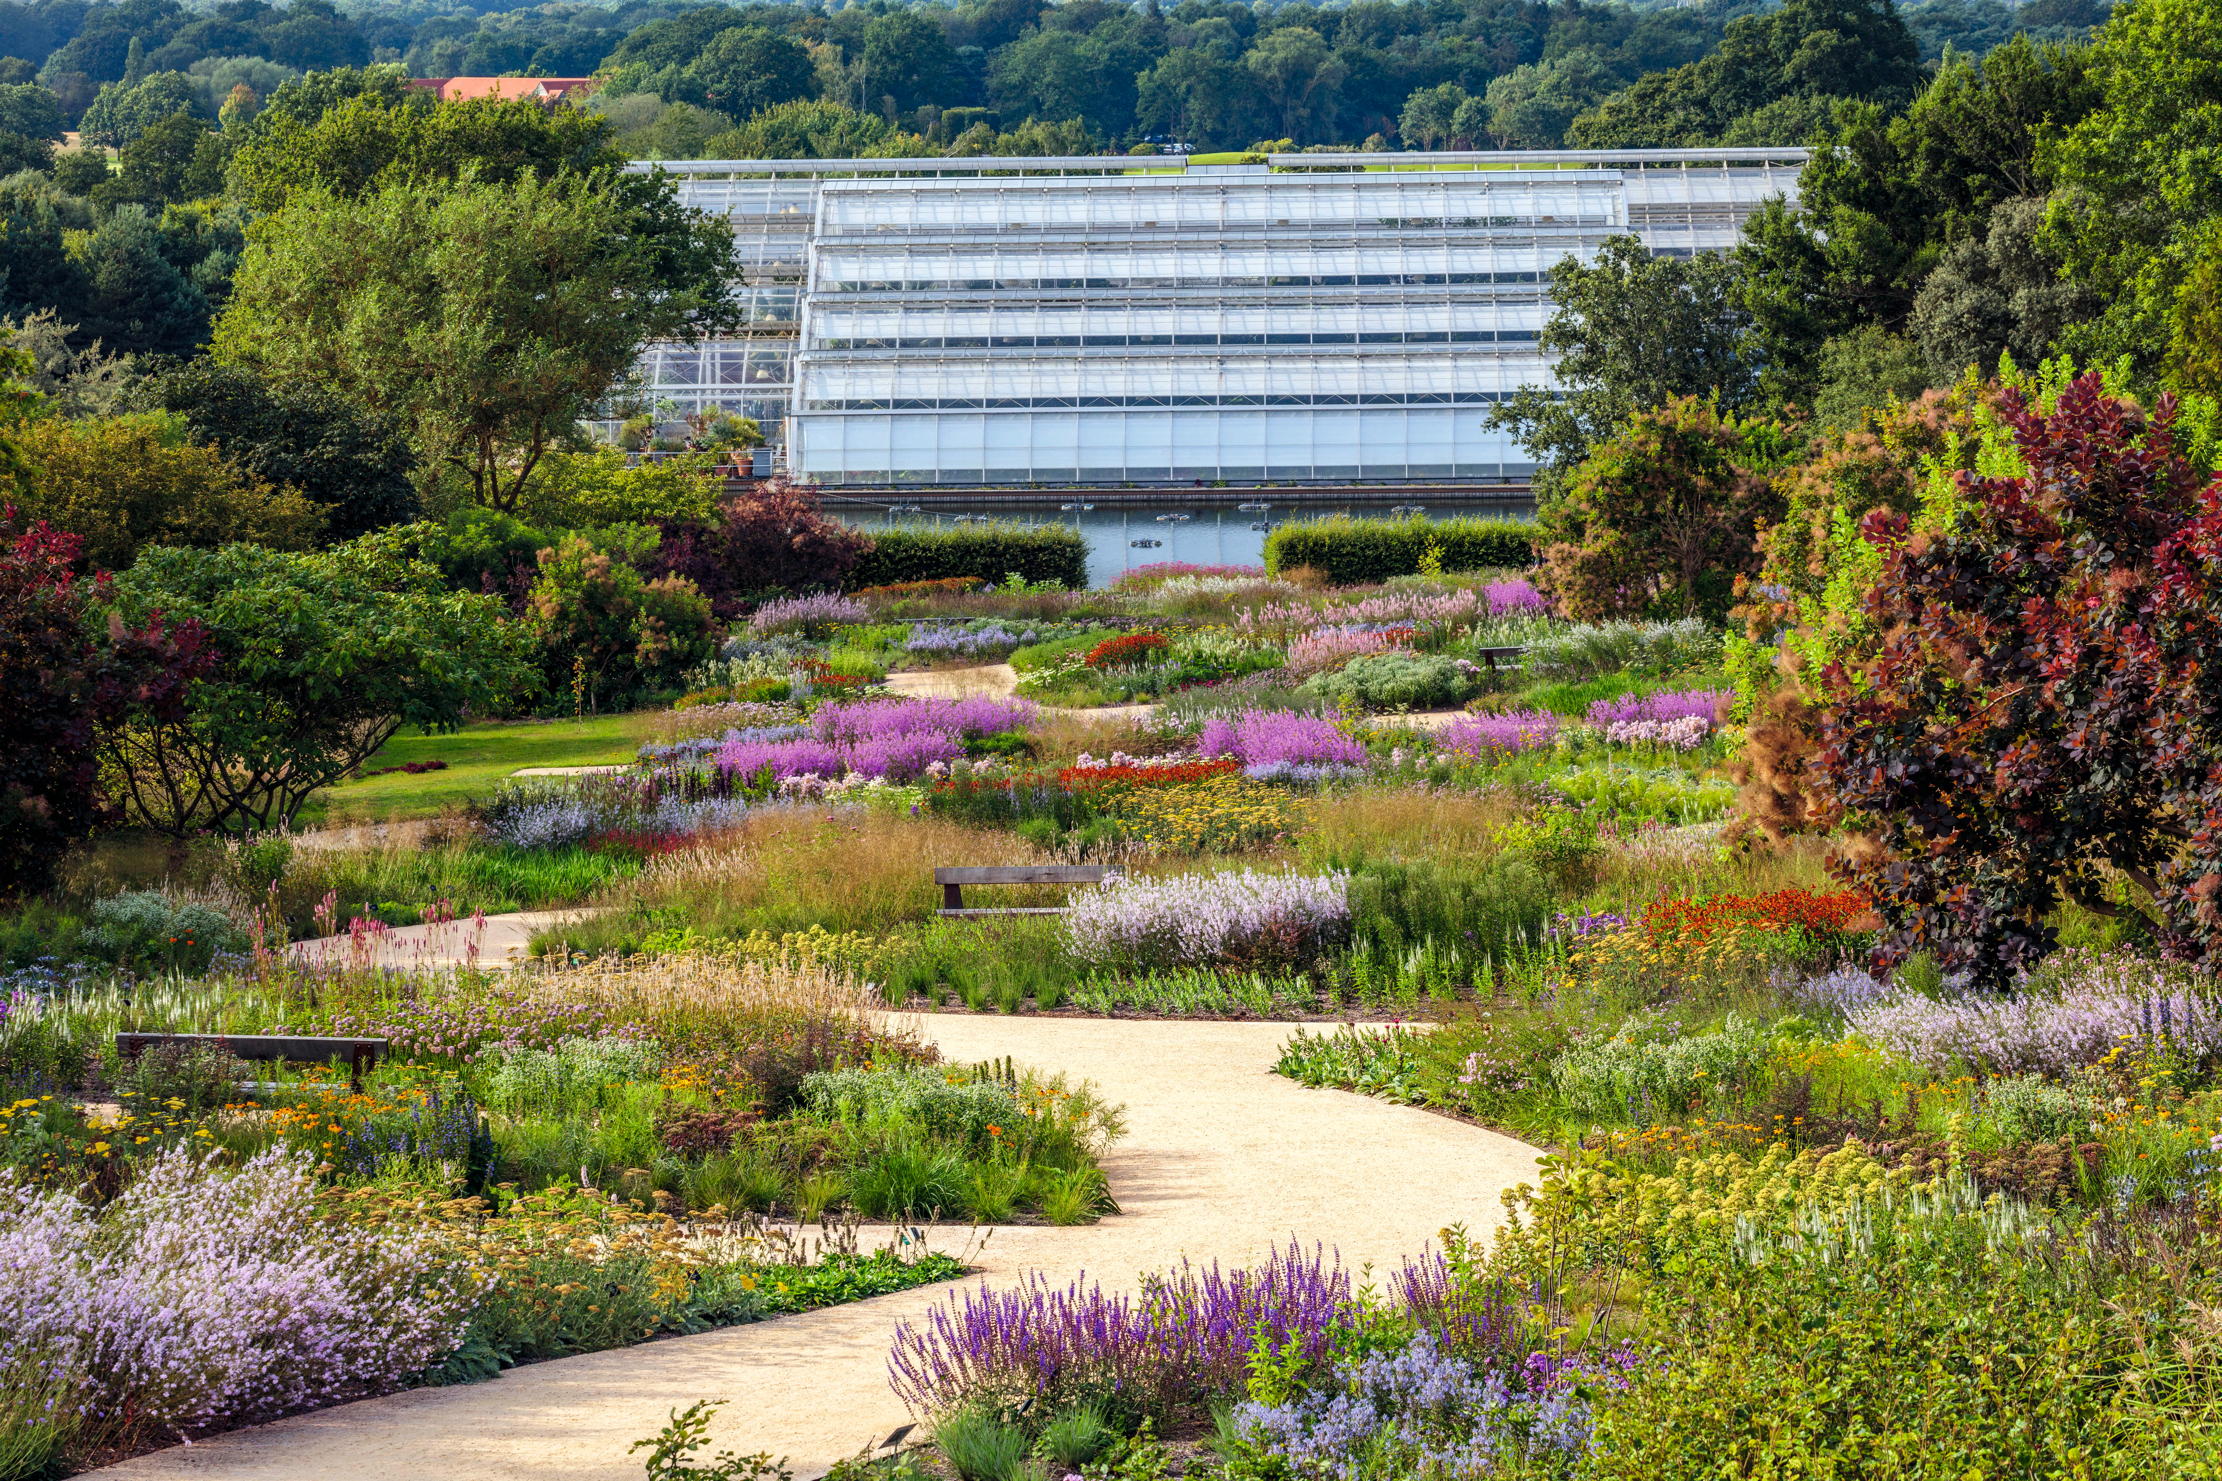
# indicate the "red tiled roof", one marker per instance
pixel 539 89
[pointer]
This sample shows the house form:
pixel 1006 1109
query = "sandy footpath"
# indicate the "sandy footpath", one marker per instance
pixel 1222 1159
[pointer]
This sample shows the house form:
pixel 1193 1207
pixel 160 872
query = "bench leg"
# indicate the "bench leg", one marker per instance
pixel 952 897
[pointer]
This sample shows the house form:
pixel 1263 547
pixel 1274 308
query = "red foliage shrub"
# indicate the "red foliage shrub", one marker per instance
pixel 1144 774
pixel 66 681
pixel 1690 922
pixel 771 540
pixel 2041 712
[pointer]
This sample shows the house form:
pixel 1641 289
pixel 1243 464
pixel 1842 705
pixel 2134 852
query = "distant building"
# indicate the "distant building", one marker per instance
pixel 507 89
pixel 1328 319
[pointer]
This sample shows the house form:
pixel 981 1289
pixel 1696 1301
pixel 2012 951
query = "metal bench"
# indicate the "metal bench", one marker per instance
pixel 953 881
pixel 360 1054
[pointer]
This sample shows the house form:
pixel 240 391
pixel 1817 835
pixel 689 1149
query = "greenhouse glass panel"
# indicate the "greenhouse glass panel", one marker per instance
pixel 1310 318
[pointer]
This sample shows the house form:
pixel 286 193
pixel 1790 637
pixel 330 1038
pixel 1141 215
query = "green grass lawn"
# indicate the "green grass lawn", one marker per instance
pixel 478 758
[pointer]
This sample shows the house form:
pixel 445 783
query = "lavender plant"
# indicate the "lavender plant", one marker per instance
pixel 1187 1336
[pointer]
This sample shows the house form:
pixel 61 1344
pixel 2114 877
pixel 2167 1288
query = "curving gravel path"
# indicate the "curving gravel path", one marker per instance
pixel 1222 1159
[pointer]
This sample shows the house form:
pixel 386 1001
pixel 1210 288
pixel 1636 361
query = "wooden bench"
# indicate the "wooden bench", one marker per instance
pixel 360 1054
pixel 1490 656
pixel 953 881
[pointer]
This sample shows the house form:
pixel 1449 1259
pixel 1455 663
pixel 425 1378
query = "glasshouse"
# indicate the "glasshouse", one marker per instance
pixel 1304 319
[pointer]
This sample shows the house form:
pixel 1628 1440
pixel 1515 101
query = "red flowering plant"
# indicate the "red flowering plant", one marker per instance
pixel 2040 714
pixel 1690 945
pixel 1144 774
pixel 1128 650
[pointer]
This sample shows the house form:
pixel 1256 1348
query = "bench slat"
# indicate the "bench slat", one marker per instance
pixel 1023 874
pixel 1008 910
pixel 300 1049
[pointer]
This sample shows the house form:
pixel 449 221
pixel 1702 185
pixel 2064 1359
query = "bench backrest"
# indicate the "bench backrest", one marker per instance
pixel 293 1048
pixel 1023 874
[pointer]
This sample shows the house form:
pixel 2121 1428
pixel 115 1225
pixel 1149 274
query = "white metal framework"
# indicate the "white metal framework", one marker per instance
pixel 1112 321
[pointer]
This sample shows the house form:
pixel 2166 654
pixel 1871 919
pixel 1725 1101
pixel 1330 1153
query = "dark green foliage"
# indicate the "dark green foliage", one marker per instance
pixel 1661 517
pixel 1628 332
pixel 1805 49
pixel 1356 552
pixel 991 552
pixel 124 111
pixel 2040 712
pixel 1891 194
pixel 323 656
pixel 353 465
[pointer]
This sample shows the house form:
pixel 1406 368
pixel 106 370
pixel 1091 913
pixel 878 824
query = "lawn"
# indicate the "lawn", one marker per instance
pixel 478 757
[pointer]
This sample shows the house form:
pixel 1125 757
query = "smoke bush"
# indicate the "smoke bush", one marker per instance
pixel 1198 919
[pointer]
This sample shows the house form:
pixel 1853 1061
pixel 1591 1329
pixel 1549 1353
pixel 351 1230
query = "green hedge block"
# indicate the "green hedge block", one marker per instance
pixel 991 552
pixel 1357 552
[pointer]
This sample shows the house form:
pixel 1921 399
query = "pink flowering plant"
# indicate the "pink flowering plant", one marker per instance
pixel 1241 918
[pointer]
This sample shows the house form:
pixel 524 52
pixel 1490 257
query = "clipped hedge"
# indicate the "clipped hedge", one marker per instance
pixel 1356 552
pixel 988 551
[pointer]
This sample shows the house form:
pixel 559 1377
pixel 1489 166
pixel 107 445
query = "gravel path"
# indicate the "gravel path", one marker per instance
pixel 1222 1159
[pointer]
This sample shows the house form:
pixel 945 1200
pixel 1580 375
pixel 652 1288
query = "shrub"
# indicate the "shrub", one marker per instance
pixel 1909 1337
pixel 1039 553
pixel 961 1110
pixel 203 1297
pixel 1651 1080
pixel 126 485
pixel 610 636
pixel 1250 918
pixel 1662 518
pixel 769 540
pixel 66 684
pixel 2032 711
pixel 149 931
pixel 1591 650
pixel 321 658
pixel 1399 681
pixel 1359 552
